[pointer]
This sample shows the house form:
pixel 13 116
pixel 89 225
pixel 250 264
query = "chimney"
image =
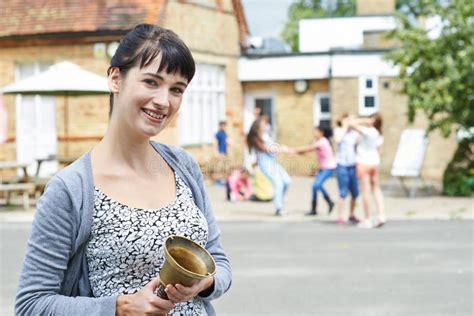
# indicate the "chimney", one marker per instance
pixel 375 7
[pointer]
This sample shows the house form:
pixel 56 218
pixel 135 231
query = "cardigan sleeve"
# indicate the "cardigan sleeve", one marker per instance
pixel 49 249
pixel 223 276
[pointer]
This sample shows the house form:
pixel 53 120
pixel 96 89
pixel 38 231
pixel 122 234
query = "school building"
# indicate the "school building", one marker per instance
pixel 340 69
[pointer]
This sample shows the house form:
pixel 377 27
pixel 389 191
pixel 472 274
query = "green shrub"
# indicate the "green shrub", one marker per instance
pixel 458 178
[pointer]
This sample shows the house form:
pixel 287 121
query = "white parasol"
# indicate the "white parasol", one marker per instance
pixel 64 78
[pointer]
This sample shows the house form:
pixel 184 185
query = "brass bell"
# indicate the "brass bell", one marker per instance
pixel 185 262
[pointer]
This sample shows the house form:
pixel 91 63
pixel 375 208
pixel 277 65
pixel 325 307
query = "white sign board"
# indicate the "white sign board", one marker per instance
pixel 410 153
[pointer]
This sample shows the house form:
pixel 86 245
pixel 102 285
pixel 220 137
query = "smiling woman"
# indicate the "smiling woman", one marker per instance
pixel 96 242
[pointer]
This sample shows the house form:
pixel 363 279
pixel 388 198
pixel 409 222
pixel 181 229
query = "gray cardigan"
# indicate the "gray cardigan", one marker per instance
pixel 54 279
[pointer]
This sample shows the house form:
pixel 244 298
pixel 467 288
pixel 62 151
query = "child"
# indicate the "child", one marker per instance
pixel 221 138
pixel 266 152
pixel 262 188
pixel 368 161
pixel 220 161
pixel 238 185
pixel 346 139
pixel 327 163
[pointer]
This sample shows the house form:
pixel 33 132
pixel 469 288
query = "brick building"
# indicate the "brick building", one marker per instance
pixel 340 69
pixel 37 34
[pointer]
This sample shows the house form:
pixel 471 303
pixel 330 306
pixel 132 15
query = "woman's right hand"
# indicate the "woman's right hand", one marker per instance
pixel 144 302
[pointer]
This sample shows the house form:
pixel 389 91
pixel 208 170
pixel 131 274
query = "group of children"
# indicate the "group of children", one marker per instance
pixel 358 147
pixel 356 160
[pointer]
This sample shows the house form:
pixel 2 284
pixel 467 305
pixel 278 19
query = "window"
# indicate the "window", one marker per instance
pixel 368 95
pixel 265 105
pixel 203 106
pixel 369 102
pixel 325 105
pixel 322 110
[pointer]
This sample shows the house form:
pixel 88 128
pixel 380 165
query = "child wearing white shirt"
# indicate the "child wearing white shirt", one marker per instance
pixel 367 162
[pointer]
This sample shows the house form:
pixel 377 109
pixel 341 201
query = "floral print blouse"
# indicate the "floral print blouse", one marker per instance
pixel 125 249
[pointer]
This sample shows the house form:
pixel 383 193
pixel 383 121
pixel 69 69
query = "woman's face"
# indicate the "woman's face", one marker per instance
pixel 147 100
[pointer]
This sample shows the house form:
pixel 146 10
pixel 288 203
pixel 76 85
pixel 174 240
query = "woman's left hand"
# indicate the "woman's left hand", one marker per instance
pixel 178 293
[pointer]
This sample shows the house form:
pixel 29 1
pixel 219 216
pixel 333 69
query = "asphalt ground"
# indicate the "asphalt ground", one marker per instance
pixel 422 267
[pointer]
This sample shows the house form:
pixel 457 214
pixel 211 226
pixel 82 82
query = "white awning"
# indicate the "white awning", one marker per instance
pixel 64 77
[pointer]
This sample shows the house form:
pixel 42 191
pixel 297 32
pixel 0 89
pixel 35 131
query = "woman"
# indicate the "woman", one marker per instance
pixel 327 165
pixel 266 152
pixel 368 160
pixel 96 242
pixel 346 140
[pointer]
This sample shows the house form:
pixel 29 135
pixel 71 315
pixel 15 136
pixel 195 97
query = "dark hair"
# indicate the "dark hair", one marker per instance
pixel 253 134
pixel 327 131
pixel 377 121
pixel 143 44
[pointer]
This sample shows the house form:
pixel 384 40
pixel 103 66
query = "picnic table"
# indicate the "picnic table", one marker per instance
pixel 22 185
pixel 62 160
pixel 42 181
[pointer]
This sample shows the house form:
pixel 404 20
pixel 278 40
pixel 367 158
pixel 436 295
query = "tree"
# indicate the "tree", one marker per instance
pixel 437 75
pixel 305 9
pixel 412 8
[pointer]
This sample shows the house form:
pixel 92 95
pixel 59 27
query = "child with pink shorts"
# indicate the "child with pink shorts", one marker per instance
pixel 367 164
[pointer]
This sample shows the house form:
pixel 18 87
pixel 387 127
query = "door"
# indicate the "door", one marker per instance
pixel 36 136
pixel 322 110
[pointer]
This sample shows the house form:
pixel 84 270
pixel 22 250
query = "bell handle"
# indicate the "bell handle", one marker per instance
pixel 160 291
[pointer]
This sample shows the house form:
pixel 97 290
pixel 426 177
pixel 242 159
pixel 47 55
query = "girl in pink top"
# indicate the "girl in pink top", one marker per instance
pixel 327 164
pixel 238 185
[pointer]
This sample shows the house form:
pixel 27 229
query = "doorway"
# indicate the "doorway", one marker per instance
pixel 322 110
pixel 265 101
pixel 36 135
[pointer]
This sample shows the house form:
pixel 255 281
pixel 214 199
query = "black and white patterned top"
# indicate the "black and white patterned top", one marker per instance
pixel 125 248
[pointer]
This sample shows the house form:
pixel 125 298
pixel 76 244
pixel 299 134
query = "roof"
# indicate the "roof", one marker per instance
pixel 41 17
pixel 242 21
pixel 30 17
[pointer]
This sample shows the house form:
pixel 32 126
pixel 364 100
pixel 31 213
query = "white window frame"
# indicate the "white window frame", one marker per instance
pixel 249 113
pixel 317 114
pixel 203 106
pixel 368 92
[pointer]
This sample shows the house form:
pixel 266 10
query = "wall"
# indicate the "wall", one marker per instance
pixel 379 40
pixel 375 7
pixel 213 37
pixel 393 109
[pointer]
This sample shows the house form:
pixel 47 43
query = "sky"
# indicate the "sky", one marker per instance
pixel 266 18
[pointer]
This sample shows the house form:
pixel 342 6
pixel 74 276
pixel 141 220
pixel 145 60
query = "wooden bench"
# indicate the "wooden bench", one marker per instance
pixel 24 188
